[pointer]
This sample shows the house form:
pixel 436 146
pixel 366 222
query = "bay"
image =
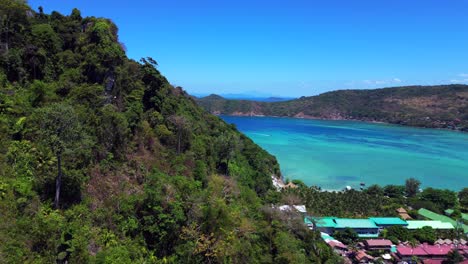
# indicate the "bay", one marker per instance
pixel 335 154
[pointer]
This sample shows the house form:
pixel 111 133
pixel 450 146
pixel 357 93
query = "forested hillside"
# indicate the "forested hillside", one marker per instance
pixel 444 106
pixel 103 161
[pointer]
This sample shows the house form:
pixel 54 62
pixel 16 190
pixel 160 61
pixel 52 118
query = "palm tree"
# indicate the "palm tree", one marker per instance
pixel 454 257
pixel 413 243
pixel 353 249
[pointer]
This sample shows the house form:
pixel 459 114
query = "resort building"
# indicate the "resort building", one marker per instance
pixel 443 218
pixel 369 227
pixel 407 253
pixel 378 244
pixel 323 224
pixel 403 214
pixel 336 245
pixel 365 228
pixel 362 257
pixel 384 222
pixel 427 252
pixel 438 225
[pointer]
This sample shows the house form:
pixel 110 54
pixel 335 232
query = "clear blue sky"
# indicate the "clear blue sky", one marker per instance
pixel 290 48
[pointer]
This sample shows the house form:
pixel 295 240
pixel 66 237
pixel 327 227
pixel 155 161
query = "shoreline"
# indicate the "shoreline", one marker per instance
pixel 338 119
pixel 279 184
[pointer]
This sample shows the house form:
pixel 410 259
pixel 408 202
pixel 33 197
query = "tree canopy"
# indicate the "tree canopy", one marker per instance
pixel 102 160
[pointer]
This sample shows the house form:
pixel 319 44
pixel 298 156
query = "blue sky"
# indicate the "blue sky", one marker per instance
pixel 290 48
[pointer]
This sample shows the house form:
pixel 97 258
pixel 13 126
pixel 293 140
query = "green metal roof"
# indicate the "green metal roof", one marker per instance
pixel 326 236
pixel 368 235
pixel 354 223
pixel 435 216
pixel 388 221
pixel 450 211
pixel 323 221
pixel 417 224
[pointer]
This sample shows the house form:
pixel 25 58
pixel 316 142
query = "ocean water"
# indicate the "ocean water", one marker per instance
pixel 335 154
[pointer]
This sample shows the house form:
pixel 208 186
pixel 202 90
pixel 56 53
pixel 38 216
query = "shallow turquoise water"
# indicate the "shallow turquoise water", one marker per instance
pixel 334 154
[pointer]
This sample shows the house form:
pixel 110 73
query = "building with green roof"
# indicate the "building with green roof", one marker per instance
pixel 324 224
pixel 442 218
pixel 354 223
pixel 435 224
pixel 371 227
pixel 365 228
pixel 326 236
pixel 384 222
pixel 449 212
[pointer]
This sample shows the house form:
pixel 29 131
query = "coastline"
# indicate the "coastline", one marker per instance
pixel 307 117
pixel 279 184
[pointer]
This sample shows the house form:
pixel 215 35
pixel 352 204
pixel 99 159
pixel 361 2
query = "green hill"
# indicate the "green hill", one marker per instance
pixel 443 106
pixel 103 161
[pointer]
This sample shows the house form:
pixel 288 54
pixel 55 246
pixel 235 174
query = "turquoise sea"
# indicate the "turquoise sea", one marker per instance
pixel 334 154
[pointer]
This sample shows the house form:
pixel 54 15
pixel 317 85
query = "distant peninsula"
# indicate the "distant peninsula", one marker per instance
pixel 442 106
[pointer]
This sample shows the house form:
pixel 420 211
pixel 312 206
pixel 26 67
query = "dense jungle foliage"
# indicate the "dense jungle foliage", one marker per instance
pixel 103 161
pixel 443 106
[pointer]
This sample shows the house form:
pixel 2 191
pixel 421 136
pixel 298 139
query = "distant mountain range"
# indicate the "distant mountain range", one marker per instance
pixel 442 106
pixel 249 97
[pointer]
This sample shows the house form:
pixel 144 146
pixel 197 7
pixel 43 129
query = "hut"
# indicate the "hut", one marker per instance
pixel 403 214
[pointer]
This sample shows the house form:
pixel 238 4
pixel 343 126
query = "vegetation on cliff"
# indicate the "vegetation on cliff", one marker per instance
pixel 103 161
pixel 443 106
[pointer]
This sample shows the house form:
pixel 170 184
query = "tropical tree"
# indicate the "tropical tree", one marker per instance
pixel 399 232
pixel 443 199
pixel 413 243
pixel 375 190
pixel 11 12
pixel 181 125
pixel 61 131
pixel 463 197
pixel 394 191
pixel 412 187
pixel 453 257
pixel 228 145
pixel 346 236
pixel 426 234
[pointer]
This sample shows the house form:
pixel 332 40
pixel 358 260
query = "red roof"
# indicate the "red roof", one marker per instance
pixel 425 250
pixel 433 261
pixel 336 244
pixel 379 243
pixel 437 250
pixel 362 255
pixel 408 251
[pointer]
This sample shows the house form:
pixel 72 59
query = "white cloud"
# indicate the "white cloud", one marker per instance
pixel 459 81
pixel 382 82
pixel 463 75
